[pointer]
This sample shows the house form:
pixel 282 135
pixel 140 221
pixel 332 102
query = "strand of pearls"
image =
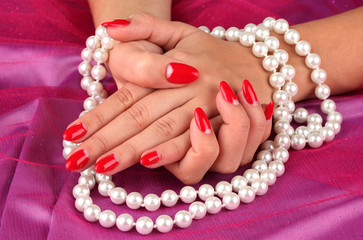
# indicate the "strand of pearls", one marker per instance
pixel 242 188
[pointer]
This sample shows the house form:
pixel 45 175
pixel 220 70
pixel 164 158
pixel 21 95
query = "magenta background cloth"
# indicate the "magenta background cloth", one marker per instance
pixel 319 196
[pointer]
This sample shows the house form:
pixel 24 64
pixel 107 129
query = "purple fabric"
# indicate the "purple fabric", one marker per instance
pixel 319 196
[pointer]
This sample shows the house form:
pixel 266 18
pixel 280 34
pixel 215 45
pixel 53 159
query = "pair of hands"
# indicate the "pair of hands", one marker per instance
pixel 151 119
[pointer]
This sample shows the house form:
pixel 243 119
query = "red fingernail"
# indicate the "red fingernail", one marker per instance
pixel 77 160
pixel 107 163
pixel 116 23
pixel 269 110
pixel 150 158
pixel 202 121
pixel 180 73
pixel 249 93
pixel 75 132
pixel 228 93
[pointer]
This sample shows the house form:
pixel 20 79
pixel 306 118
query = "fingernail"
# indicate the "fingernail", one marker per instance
pixel 180 73
pixel 249 93
pixel 116 23
pixel 107 163
pixel 202 121
pixel 269 110
pixel 75 132
pixel 77 160
pixel 150 158
pixel 228 93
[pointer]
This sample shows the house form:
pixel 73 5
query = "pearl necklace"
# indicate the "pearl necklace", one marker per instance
pixel 270 160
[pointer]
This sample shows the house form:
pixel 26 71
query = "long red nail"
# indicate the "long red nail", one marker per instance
pixel 202 121
pixel 228 93
pixel 77 160
pixel 107 163
pixel 180 73
pixel 116 23
pixel 75 132
pixel 249 93
pixel 150 158
pixel 269 110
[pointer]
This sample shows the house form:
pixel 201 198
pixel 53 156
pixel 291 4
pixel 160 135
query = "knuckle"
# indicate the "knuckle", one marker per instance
pixel 125 97
pixel 100 142
pixel 98 120
pixel 130 149
pixel 142 67
pixel 166 127
pixel 189 179
pixel 138 114
pixel 229 168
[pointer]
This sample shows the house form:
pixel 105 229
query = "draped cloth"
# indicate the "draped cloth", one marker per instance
pixel 318 197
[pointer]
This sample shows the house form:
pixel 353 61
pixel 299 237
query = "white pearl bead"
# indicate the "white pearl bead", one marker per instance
pixel 82 201
pixel 107 42
pixel 85 82
pixel 318 76
pixel 223 187
pixel 315 118
pixel 283 140
pixel 335 117
pixel 315 140
pixel 219 32
pixel 183 219
pixel 290 105
pixel 280 97
pixel 314 127
pixel 144 225
pixel 84 68
pixel 303 48
pixel 327 133
pixel 246 194
pixel 92 212
pixel 334 125
pixel 281 26
pixel 260 186
pixel 100 55
pixel 265 155
pixel 237 182
pixel 205 191
pixel 269 23
pixel 272 43
pixel 70 144
pixel 118 195
pixel 322 91
pixel 107 219
pixel 134 200
pixel 231 201
pixel 90 103
pixel 198 210
pixel 152 202
pixel 281 154
pixel 259 165
pixel 100 177
pixel 89 180
pixel 288 71
pixel 250 28
pixel 250 175
pixel 247 39
pixel 298 141
pixel 269 176
pixel 169 198
pixel 301 115
pixel 277 80
pixel 89 171
pixel 270 63
pixel 261 33
pixel 98 72
pixel 281 55
pixel 94 89
pixel 204 29
pixel 125 222
pixel 268 145
pixel 66 151
pixel 188 194
pixel 105 187
pixel 291 131
pixel 232 34
pixel 86 54
pixel 312 61
pixel 259 49
pixel 281 113
pixel 100 32
pixel 278 167
pixel 291 88
pixel 213 205
pixel 164 223
pixel 80 189
pixel 327 106
pixel 302 130
pixel 292 36
pixel 92 43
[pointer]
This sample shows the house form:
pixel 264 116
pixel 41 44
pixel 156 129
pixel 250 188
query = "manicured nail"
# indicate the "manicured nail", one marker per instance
pixel 75 132
pixel 77 160
pixel 107 163
pixel 249 93
pixel 180 73
pixel 228 93
pixel 150 158
pixel 116 23
pixel 269 110
pixel 202 121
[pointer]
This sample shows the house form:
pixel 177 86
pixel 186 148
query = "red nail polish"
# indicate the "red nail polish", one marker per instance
pixel 228 93
pixel 269 110
pixel 77 160
pixel 75 132
pixel 107 163
pixel 150 158
pixel 202 121
pixel 249 93
pixel 116 23
pixel 180 73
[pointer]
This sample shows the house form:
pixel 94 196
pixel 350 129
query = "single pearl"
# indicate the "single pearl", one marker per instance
pixel 278 167
pixel 334 125
pixel 237 182
pixel 291 88
pixel 169 198
pixel 188 194
pixel 318 76
pixel 107 42
pixel 281 113
pixel 223 187
pixel 86 81
pixel 92 43
pixel 315 140
pixel 290 105
pixel 98 72
pixel 260 186
pixel 66 151
pixel 314 127
pixel 288 71
pixel 259 49
pixel 335 117
pixel 250 28
pixel 281 26
pixel 90 103
pixel 315 118
pixel 322 91
pixel 125 222
pixel 100 177
pixel 219 32
pixel 280 97
pixel 250 175
pixel 281 154
pixel 100 55
pixel 259 165
pixel 104 94
pixel 92 212
pixel 144 225
pixel 283 140
pixel 80 189
pixel 269 176
pixel 272 43
pixel 291 131
pixel 231 201
pixel 247 39
pixel 152 202
pixel 204 29
pixel 100 32
pixel 281 55
pixel 82 201
pixel 94 89
pixel 86 54
pixel 205 191
pixel 183 219
pixel 268 145
pixel 134 200
pixel 303 48
pixel 265 155
pixel 246 194
pixel 312 61
pixel 89 171
pixel 84 68
pixel 118 195
pixel 298 142
pixel 301 115
pixel 269 23
pixel 292 36
pixel 164 223
pixel 270 63
pixel 89 180
pixel 70 144
pixel 198 210
pixel 261 33
pixel 107 219
pixel 213 205
pixel 327 106
pixel 105 187
pixel 232 34
pixel 277 80
pixel 327 134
